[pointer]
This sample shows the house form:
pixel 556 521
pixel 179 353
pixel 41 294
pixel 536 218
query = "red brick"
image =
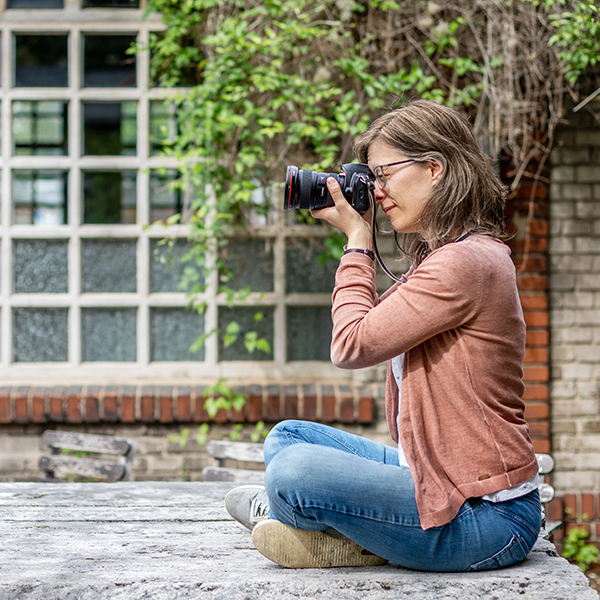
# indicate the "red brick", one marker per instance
pixel 254 409
pixel 597 530
pixel 38 408
pixel 184 409
pixel 588 506
pixel 347 410
pixel 570 503
pixel 5 409
pixel 541 446
pixel 147 409
pixel 536 355
pixel 56 407
pixel 531 264
pixel 533 282
pixel 328 409
pixel 21 415
pixel 536 244
pixel 221 416
pixel 555 510
pixel 365 410
pixel 310 408
pixel 536 374
pixel 533 302
pixel 585 526
pixel 166 409
pixel 290 407
pixel 536 391
pixel 237 416
pixel 531 191
pixel 536 319
pixel 201 416
pixel 540 430
pixel 74 409
pixel 111 414
pixel 92 410
pixel 537 410
pixel 537 337
pixel 273 408
pixel 539 228
pixel 128 409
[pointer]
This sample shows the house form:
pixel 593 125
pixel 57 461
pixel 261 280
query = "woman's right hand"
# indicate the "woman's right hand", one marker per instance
pixel 357 227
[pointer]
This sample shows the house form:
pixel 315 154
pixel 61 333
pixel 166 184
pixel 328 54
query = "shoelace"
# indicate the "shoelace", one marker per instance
pixel 258 510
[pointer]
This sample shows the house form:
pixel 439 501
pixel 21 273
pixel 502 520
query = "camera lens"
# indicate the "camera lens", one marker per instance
pixel 306 189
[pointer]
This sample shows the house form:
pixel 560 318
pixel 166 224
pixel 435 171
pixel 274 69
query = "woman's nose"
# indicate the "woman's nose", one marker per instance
pixel 379 193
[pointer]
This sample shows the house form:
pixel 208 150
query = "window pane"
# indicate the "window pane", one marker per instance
pixel 108 266
pixel 172 332
pixel 108 334
pixel 35 4
pixel 40 128
pixel 249 263
pixel 111 4
pixel 304 274
pixel 40 334
pixel 41 60
pixel 167 269
pixel 41 266
pixel 248 319
pixel 40 197
pixel 110 128
pixel 163 126
pixel 308 332
pixel 109 197
pixel 165 200
pixel 106 63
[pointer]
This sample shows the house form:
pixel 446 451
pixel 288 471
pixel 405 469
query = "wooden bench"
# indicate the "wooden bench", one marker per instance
pixel 85 457
pixel 240 451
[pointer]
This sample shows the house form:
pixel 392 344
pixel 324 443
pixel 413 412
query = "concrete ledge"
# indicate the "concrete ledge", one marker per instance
pixel 174 541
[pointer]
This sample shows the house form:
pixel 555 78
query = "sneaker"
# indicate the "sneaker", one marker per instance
pixel 248 504
pixel 299 549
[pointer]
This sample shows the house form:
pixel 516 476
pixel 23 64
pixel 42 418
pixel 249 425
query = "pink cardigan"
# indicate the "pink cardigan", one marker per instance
pixel 458 318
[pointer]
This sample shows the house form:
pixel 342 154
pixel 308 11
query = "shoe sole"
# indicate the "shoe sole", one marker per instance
pixel 299 549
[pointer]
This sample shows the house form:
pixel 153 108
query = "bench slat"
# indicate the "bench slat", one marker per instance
pixel 235 451
pixel 85 442
pixel 233 475
pixel 81 466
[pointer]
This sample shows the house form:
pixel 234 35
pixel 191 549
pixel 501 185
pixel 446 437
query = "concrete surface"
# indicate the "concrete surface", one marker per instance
pixel 171 541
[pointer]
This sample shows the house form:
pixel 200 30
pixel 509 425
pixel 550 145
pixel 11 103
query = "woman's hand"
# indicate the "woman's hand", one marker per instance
pixel 357 227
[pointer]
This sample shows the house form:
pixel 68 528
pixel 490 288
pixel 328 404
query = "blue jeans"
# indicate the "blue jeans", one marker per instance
pixel 318 477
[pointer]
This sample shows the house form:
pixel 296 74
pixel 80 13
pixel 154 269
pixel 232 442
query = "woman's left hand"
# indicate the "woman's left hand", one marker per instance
pixel 357 227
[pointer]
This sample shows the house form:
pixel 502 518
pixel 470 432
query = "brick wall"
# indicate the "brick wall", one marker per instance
pixel 574 281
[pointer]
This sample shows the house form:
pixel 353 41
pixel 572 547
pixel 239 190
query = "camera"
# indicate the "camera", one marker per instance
pixel 307 189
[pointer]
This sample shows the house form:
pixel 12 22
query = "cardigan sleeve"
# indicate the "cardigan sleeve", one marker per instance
pixel 442 293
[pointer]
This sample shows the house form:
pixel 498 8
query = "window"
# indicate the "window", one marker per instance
pixel 95 288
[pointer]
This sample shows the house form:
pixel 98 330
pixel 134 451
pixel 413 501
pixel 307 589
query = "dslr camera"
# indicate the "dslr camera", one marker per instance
pixel 307 189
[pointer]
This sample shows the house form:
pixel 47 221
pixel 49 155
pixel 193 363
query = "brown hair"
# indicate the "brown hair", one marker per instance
pixel 468 194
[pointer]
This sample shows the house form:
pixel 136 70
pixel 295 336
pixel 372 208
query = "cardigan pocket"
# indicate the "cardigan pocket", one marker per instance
pixel 515 551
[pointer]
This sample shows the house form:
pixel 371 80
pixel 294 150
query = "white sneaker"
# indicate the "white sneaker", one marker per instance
pixel 248 504
pixel 300 549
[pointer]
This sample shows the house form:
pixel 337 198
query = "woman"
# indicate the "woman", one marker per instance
pixel 460 492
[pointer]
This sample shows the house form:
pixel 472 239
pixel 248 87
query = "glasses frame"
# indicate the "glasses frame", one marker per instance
pixel 380 175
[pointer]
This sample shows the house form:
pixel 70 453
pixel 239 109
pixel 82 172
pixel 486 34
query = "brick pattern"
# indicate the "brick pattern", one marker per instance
pixel 321 401
pixel 528 209
pixel 575 305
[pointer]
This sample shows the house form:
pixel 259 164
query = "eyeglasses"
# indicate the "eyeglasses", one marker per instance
pixel 380 175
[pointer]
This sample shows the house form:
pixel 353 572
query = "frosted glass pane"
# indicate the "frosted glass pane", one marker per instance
pixel 108 266
pixel 250 263
pixel 40 334
pixel 40 266
pixel 164 199
pixel 246 319
pixel 166 268
pixel 308 333
pixel 172 332
pixel 163 126
pixel 108 334
pixel 304 274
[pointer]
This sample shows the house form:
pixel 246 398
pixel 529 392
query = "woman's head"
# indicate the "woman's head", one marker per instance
pixel 465 193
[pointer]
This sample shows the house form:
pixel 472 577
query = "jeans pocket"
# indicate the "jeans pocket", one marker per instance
pixel 515 551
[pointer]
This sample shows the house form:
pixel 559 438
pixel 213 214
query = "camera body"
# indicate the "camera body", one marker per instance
pixel 307 189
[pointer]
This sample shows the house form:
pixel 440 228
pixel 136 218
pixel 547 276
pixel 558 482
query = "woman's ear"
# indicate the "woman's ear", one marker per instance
pixel 436 169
